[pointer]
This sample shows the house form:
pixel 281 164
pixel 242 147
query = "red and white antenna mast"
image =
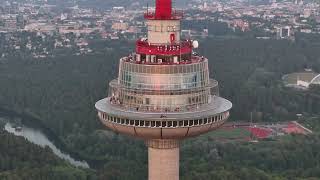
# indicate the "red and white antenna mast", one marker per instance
pixel 163 9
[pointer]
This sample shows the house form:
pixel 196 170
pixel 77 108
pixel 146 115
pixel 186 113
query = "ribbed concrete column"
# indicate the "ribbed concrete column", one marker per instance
pixel 163 158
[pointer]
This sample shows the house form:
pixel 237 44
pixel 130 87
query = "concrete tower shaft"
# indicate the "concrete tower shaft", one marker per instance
pixel 163 159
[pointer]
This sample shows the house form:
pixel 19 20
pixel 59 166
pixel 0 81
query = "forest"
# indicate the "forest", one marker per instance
pixel 20 160
pixel 61 92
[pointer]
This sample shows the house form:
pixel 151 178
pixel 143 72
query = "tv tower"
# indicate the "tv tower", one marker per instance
pixel 163 93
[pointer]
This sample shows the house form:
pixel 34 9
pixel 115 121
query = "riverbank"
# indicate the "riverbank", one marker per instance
pixel 35 123
pixel 35 136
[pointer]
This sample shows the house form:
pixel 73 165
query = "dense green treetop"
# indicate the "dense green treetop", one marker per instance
pixel 22 160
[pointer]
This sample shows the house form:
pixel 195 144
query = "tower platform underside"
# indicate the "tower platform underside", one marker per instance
pixel 164 125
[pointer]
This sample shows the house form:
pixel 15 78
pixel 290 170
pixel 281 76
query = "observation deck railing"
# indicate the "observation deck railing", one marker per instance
pixel 194 59
pixel 212 85
pixel 119 96
pixel 182 47
pixel 156 109
pixel 114 101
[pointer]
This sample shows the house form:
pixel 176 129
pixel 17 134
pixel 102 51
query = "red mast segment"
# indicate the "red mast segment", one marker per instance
pixel 163 9
pixel 163 35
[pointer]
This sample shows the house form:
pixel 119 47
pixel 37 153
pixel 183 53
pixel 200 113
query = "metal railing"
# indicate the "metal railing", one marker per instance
pixel 182 47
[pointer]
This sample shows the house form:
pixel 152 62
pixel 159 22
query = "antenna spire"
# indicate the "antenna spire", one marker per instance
pixel 163 9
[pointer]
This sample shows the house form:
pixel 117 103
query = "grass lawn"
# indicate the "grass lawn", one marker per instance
pixel 229 133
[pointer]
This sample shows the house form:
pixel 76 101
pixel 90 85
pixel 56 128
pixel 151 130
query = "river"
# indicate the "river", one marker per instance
pixel 36 136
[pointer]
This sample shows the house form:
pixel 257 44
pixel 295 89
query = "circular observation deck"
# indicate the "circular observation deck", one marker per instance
pixel 164 125
pixel 162 88
pixel 164 99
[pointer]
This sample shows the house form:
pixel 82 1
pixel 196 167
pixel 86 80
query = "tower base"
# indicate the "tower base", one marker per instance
pixel 163 157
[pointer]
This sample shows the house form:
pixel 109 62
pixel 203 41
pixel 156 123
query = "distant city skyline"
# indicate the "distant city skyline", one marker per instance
pixel 73 25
